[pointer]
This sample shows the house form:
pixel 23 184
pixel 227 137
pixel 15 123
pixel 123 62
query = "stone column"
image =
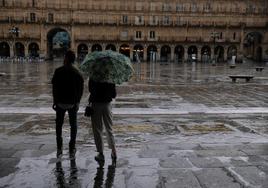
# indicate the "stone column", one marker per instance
pixel 43 42
pixel 131 52
pixel 26 49
pixel 199 55
pixel 185 53
pixel 12 53
pixel 72 32
pixel 172 47
pixel 225 53
pixel 144 53
pixel 158 54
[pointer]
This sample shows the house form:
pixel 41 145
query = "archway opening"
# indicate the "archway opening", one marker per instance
pixel 33 50
pixel 19 49
pixel 252 43
pixel 192 54
pixel 4 49
pixel 110 47
pixel 58 42
pixel 96 47
pixel 179 53
pixel 138 53
pixel 151 53
pixel 165 54
pixel 205 54
pixel 232 51
pixel 124 49
pixel 82 51
pixel 219 54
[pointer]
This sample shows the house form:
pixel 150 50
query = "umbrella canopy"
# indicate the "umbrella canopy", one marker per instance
pixel 107 66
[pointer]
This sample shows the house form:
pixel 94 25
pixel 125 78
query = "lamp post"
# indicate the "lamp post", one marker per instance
pixel 14 31
pixel 214 35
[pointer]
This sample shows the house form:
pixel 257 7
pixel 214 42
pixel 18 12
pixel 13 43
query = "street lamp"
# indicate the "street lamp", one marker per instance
pixel 214 35
pixel 14 31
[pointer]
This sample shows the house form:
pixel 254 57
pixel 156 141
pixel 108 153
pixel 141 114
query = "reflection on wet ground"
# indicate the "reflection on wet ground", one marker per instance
pixel 175 125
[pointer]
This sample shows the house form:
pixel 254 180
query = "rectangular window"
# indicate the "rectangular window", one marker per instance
pixel 234 36
pixel 166 20
pixel 125 19
pixel 166 7
pixel 138 34
pixel 139 20
pixel 32 17
pixel 3 3
pixel 179 7
pixel 152 6
pixel 153 20
pixel 50 17
pixel 152 34
pixel 33 3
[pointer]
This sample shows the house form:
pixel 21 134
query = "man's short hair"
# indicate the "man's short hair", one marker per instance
pixel 70 56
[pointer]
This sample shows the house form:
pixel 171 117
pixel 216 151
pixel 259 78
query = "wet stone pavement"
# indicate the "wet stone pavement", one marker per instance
pixel 175 125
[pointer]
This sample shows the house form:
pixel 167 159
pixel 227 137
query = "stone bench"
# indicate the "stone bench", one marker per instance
pixel 232 66
pixel 259 68
pixel 247 78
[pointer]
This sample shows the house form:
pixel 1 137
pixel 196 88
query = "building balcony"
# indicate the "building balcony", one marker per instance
pixel 192 39
pixel 179 38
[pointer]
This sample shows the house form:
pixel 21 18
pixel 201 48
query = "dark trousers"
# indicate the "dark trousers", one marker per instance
pixel 60 113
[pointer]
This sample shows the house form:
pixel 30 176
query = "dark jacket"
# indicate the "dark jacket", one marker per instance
pixel 101 91
pixel 68 85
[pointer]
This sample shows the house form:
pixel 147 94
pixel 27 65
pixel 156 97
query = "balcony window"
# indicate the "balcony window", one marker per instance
pixel 139 20
pixel 152 6
pixel 179 7
pixel 50 17
pixel 166 20
pixel 153 20
pixel 194 7
pixel 152 34
pixel 166 7
pixel 138 34
pixel 207 7
pixel 3 3
pixel 125 19
pixel 32 17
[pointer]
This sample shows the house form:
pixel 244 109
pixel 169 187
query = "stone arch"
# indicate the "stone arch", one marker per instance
pixel 205 53
pixel 125 49
pixel 232 51
pixel 192 53
pixel 110 47
pixel 165 53
pixel 33 49
pixel 179 53
pixel 19 49
pixel 138 53
pixel 252 42
pixel 96 47
pixel 82 51
pixel 58 48
pixel 4 49
pixel 151 53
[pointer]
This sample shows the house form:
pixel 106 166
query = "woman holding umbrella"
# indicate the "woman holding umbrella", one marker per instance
pixel 105 68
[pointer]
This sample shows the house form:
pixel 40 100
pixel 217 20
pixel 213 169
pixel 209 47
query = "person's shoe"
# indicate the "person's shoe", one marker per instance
pixel 100 159
pixel 59 153
pixel 114 158
pixel 72 151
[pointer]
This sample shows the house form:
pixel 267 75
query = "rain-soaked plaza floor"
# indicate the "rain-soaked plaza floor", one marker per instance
pixel 176 125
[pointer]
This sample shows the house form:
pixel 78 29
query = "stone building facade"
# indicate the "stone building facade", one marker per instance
pixel 174 30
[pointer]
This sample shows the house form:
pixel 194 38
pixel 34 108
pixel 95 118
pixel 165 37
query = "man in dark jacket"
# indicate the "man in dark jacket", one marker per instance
pixel 68 86
pixel 101 95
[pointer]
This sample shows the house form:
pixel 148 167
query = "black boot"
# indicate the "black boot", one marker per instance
pixel 72 150
pixel 59 147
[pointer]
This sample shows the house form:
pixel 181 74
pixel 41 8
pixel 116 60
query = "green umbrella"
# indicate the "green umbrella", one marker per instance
pixel 107 66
